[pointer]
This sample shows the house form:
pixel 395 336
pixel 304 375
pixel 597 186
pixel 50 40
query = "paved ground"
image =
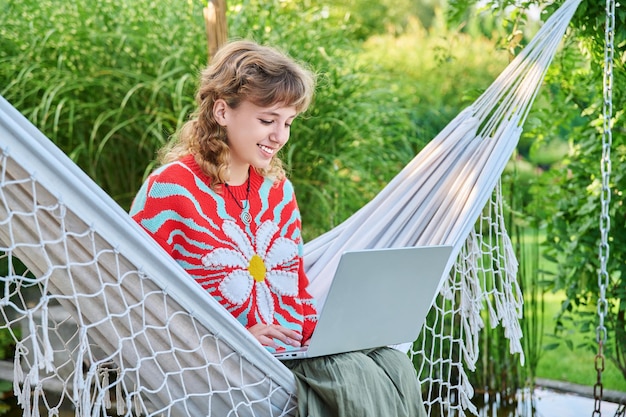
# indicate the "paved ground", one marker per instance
pixel 618 397
pixel 550 403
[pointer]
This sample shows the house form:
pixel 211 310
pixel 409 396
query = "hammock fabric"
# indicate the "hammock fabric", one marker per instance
pixel 103 321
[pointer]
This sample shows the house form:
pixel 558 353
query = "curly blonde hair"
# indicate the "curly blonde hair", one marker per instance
pixel 240 71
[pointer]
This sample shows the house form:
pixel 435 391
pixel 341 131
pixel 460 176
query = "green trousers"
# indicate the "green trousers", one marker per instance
pixel 378 383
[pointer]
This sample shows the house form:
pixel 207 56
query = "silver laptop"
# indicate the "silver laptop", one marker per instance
pixel 378 297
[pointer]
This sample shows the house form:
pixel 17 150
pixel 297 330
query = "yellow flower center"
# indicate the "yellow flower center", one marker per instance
pixel 257 268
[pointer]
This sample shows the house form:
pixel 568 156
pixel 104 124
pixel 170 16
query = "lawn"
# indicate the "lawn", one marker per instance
pixel 568 356
pixel 575 366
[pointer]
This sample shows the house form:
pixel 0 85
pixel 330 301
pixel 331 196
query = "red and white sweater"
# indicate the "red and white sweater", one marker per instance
pixel 254 270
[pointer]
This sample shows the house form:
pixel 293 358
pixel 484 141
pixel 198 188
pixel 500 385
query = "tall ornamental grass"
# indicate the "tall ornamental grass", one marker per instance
pixel 110 81
pixel 107 81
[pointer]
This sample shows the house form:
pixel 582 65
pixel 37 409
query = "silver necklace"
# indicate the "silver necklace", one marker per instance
pixel 245 216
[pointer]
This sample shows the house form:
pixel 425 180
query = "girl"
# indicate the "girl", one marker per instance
pixel 221 205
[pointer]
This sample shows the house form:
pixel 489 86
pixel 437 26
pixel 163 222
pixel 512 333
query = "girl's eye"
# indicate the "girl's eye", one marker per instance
pixel 266 122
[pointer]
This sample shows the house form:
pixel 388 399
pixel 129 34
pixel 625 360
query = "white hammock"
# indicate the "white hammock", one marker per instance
pixel 104 319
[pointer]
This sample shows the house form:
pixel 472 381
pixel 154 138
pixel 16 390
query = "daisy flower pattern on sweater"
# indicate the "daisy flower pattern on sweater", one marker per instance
pixel 256 271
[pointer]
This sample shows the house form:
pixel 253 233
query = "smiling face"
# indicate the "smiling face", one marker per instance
pixel 255 134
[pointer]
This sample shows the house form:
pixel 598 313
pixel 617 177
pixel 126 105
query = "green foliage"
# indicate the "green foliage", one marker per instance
pixel 573 239
pixel 376 105
pixel 110 82
pixel 568 195
pixel 437 72
pixel 370 18
pixel 109 85
pixel 571 199
pixel 104 80
pixel 342 151
pixel 589 24
pixel 571 361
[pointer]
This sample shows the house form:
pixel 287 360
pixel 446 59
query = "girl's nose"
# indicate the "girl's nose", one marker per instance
pixel 280 135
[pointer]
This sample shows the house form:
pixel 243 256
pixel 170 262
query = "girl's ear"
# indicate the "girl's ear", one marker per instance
pixel 219 111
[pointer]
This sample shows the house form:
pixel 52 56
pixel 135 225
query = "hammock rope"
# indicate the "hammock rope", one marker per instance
pixel 138 332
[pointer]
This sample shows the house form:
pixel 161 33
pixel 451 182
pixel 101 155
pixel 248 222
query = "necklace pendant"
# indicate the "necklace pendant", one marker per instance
pixel 245 217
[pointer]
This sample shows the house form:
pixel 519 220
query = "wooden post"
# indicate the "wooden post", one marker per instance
pixel 216 25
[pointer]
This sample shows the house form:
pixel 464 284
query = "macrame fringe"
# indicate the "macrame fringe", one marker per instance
pixel 137 400
pixel 104 371
pixel 48 351
pixel 118 394
pixel 18 373
pixel 80 391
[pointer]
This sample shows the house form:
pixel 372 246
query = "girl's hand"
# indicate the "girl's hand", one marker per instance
pixel 266 334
